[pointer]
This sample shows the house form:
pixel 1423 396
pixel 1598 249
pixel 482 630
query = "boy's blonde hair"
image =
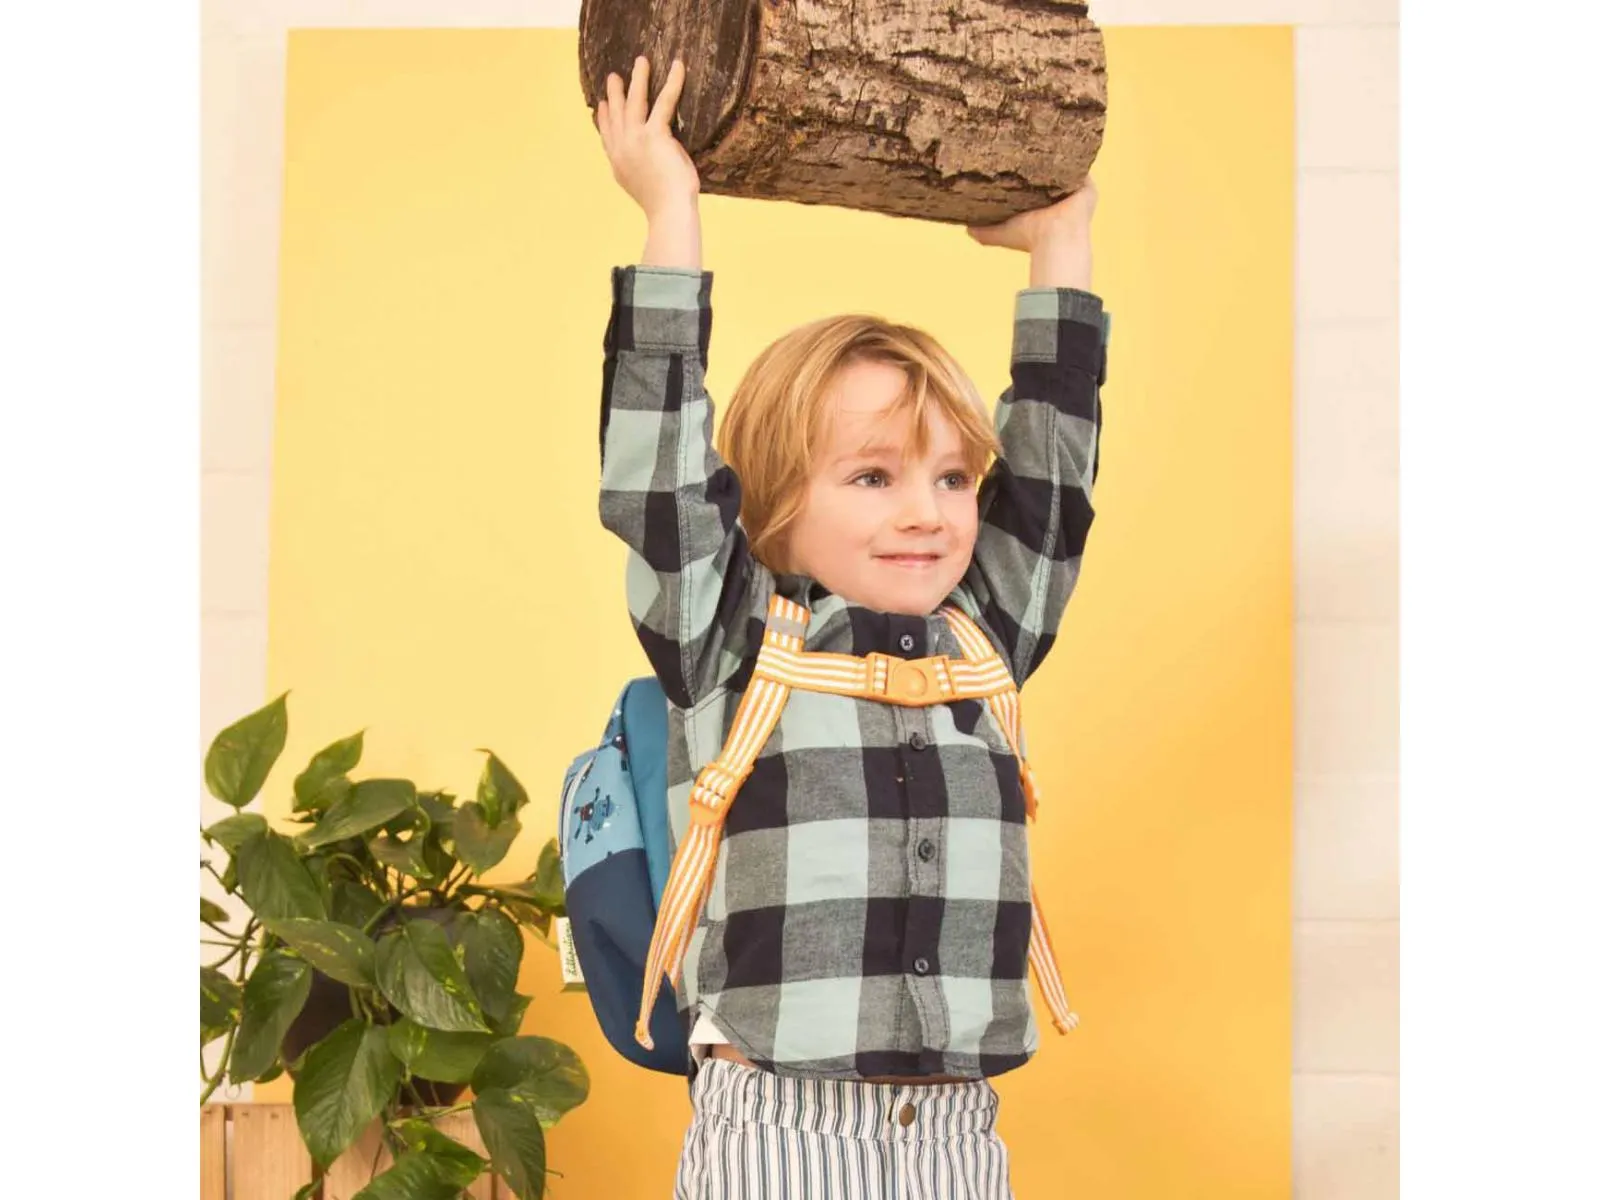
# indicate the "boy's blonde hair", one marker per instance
pixel 776 417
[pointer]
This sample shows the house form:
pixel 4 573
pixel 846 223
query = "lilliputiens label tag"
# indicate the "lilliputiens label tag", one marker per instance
pixel 571 970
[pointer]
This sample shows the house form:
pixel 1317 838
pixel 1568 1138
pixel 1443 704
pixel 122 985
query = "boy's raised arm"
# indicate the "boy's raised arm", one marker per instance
pixel 663 488
pixel 1035 503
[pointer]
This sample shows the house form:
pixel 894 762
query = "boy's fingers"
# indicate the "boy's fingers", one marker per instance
pixel 639 91
pixel 602 122
pixel 671 92
pixel 614 100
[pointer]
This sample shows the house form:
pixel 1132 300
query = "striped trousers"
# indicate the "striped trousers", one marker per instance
pixel 760 1136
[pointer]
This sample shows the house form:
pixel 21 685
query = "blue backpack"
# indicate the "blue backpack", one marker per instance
pixel 616 852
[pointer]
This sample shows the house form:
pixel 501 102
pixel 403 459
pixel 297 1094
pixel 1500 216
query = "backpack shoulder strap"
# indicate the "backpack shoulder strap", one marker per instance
pixel 710 799
pixel 1007 708
pixel 1006 705
pixel 754 719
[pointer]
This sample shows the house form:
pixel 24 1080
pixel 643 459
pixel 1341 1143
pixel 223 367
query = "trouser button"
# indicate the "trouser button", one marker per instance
pixel 908 1114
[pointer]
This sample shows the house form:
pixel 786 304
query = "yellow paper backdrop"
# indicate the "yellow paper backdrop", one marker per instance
pixel 439 575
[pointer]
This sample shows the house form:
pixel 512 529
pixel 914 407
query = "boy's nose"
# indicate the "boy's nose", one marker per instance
pixel 920 509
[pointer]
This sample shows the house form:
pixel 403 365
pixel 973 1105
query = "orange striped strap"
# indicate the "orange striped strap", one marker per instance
pixel 1007 708
pixel 694 864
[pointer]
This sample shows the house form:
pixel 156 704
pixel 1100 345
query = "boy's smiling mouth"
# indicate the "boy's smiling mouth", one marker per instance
pixel 911 561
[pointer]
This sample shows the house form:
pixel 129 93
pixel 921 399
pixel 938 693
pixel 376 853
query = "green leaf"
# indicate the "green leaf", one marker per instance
pixel 548 1073
pixel 353 904
pixel 274 881
pixel 478 843
pixel 310 1190
pixel 273 997
pixel 419 1134
pixel 434 1054
pixel 414 820
pixel 212 913
pixel 327 765
pixel 336 950
pixel 529 916
pixel 418 974
pixel 242 755
pixel 438 860
pixel 547 881
pixel 499 793
pixel 369 804
pixel 492 954
pixel 319 867
pixel 514 1138
pixel 440 807
pixel 405 857
pixel 335 790
pixel 511 1024
pixel 521 890
pixel 345 1081
pixel 423 1176
pixel 232 832
pixel 544 889
pixel 219 1004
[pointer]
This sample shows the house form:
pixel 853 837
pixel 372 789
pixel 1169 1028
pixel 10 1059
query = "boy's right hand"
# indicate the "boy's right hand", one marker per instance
pixel 647 160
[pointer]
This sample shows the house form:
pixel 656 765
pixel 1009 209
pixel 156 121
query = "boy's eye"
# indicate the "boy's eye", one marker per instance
pixel 871 478
pixel 956 481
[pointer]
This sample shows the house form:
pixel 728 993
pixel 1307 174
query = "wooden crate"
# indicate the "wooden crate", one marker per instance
pixel 254 1152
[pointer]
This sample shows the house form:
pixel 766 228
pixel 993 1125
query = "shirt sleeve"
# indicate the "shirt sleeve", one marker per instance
pixel 665 491
pixel 1035 504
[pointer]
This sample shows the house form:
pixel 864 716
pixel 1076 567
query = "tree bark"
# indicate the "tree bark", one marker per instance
pixel 964 111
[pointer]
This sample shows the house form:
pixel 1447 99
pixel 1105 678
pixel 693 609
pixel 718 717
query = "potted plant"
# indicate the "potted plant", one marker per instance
pixel 377 967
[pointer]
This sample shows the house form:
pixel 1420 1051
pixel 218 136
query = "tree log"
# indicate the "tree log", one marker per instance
pixel 964 111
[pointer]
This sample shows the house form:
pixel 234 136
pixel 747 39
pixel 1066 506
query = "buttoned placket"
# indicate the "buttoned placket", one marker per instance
pixel 924 872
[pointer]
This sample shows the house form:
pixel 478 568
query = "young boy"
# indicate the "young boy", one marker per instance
pixel 855 970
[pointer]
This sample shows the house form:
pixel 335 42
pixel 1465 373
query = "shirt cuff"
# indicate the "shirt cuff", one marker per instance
pixel 1062 325
pixel 660 308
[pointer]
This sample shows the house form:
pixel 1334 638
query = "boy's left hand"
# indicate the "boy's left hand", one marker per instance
pixel 1028 230
pixel 1055 237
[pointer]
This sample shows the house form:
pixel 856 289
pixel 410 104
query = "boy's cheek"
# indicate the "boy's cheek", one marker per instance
pixel 965 521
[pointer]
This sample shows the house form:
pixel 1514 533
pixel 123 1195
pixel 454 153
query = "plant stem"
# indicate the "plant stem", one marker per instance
pixel 243 951
pixel 377 1153
pixel 416 1096
pixel 372 921
pixel 222 1067
pixel 341 856
pixel 243 942
pixel 362 1006
pixel 206 863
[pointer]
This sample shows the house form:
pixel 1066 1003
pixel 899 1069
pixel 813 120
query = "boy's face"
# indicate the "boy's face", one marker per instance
pixel 879 527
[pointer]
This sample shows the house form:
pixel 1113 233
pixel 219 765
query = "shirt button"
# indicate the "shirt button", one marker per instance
pixel 907 643
pixel 922 966
pixel 925 850
pixel 918 742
